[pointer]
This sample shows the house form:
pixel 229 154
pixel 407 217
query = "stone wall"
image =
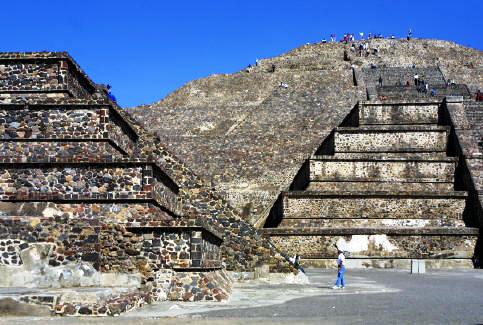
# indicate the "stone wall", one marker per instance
pixel 10 251
pixel 165 249
pixel 236 137
pixel 379 245
pixel 207 286
pixel 248 138
pixel 132 213
pixel 210 250
pixel 404 92
pixel 108 247
pixel 179 248
pixel 393 76
pixel 51 152
pixel 76 83
pixel 370 139
pixel 382 170
pixel 83 182
pixel 74 240
pixel 398 114
pixel 392 186
pixel 17 76
pixel 120 132
pixel 50 73
pixel 243 247
pixel 59 123
pixel 166 182
pixel 401 205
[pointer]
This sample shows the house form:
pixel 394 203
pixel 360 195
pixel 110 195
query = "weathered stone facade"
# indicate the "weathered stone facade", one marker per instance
pixel 382 188
pixel 250 137
pixel 85 191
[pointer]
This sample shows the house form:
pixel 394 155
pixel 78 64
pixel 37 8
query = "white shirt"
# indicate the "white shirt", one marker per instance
pixel 341 260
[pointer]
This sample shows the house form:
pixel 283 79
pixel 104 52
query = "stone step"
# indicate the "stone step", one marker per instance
pixel 123 181
pixel 415 113
pixel 391 138
pixel 369 231
pixel 380 186
pixel 395 92
pixel 44 151
pixel 373 204
pixel 330 168
pixel 436 155
pixel 65 122
pixel 393 242
pixel 400 75
pixel 367 223
pixel 388 263
pixel 83 301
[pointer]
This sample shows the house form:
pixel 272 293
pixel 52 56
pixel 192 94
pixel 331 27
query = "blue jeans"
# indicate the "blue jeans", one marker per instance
pixel 340 277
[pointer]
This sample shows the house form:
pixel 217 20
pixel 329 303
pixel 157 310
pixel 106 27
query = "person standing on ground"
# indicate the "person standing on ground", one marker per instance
pixel 380 81
pixel 297 264
pixel 416 80
pixel 340 283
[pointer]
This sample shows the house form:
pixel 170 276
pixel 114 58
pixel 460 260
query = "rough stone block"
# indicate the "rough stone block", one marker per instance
pixel 398 114
pixel 384 170
pixel 375 205
pixel 383 139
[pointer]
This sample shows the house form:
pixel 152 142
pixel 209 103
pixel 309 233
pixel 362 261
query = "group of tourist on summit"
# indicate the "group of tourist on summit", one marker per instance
pixel 364 48
pixel 349 37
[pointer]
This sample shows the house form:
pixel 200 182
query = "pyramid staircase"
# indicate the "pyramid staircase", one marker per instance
pixel 76 192
pixel 382 189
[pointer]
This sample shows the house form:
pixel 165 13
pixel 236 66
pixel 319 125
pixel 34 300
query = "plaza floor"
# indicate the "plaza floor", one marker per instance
pixel 371 297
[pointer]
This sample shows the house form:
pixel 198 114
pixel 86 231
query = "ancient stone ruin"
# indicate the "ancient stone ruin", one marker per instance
pixel 383 170
pixel 91 202
pixel 382 185
pixel 99 216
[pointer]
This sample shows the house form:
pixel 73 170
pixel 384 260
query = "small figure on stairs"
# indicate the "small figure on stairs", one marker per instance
pixel 109 94
pixel 380 81
pixel 479 96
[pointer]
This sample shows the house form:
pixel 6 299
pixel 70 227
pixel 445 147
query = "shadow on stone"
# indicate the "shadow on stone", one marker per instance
pixel 11 307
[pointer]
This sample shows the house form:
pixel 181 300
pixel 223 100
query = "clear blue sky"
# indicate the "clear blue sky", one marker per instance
pixel 146 49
